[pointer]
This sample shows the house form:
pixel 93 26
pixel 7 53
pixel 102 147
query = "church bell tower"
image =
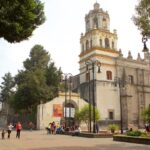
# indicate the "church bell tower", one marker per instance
pixel 99 44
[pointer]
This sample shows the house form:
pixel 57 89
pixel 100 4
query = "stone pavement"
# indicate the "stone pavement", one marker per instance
pixel 39 140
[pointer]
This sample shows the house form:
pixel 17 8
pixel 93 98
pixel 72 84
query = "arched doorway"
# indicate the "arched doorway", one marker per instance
pixel 69 114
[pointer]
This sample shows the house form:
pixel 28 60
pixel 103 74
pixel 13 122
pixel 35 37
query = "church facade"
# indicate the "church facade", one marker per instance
pixel 118 87
pixel 121 86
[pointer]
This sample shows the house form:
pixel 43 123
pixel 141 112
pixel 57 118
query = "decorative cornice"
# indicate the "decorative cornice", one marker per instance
pixel 102 31
pixel 68 94
pixel 96 56
pixel 122 59
pixel 100 49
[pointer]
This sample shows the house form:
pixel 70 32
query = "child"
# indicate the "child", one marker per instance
pixel 3 134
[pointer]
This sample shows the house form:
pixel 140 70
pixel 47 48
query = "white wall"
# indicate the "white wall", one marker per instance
pixel 45 111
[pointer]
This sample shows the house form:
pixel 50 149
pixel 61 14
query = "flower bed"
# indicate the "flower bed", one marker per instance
pixel 134 137
pixel 91 135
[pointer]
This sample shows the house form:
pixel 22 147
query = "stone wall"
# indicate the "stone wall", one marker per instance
pixel 3 120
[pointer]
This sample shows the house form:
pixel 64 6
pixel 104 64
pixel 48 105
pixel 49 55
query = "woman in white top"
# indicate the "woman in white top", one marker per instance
pixel 10 127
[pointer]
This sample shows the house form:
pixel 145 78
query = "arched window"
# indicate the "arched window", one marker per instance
pixel 70 105
pixel 82 47
pixel 113 45
pixel 111 114
pixel 95 22
pixel 87 44
pixel 109 75
pixel 70 110
pixel 107 43
pixel 104 23
pixel 87 77
pixel 100 43
pixel 130 79
pixel 91 43
pixel 87 25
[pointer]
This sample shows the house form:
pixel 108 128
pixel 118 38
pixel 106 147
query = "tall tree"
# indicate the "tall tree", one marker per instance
pixel 53 77
pixel 38 59
pixel 7 92
pixel 19 18
pixel 7 87
pixel 35 82
pixel 142 17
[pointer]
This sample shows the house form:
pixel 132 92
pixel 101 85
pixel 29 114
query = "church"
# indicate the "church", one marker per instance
pixel 119 87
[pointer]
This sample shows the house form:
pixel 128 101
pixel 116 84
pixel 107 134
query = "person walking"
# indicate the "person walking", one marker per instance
pixel 97 127
pixel 9 129
pixel 18 130
pixel 3 134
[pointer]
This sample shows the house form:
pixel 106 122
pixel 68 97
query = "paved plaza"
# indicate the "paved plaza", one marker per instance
pixel 39 140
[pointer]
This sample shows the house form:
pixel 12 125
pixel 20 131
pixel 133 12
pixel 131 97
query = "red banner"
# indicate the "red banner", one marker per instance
pixel 57 110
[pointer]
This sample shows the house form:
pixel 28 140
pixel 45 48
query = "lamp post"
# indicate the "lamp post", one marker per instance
pixel 121 84
pixel 88 72
pixel 144 40
pixel 70 77
pixel 92 63
pixel 66 76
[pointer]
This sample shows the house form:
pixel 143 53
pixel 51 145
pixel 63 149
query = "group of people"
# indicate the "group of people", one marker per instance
pixel 54 128
pixel 9 129
pixel 76 131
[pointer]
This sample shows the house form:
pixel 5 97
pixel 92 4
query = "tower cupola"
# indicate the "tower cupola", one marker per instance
pixel 97 31
pixel 96 6
pixel 97 19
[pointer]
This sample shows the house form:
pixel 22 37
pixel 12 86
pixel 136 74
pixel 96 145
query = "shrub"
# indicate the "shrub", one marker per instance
pixel 145 135
pixel 134 133
pixel 113 127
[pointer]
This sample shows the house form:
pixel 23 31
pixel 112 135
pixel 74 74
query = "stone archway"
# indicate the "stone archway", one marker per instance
pixel 69 109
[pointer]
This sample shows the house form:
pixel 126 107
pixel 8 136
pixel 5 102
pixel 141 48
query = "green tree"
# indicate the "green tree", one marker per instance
pixel 31 90
pixel 19 18
pixel 53 78
pixel 82 115
pixel 38 59
pixel 7 91
pixel 7 88
pixel 33 83
pixel 142 17
pixel 146 114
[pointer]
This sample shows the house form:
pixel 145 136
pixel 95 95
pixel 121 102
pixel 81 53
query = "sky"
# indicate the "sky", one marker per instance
pixel 60 34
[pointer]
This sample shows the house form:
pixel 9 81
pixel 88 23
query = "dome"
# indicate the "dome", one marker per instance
pixel 96 6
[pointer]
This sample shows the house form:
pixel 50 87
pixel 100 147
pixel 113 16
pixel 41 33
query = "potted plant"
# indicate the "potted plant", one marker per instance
pixel 113 127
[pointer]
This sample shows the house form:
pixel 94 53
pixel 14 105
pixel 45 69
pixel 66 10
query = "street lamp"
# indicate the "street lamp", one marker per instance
pixel 144 40
pixel 92 63
pixel 70 87
pixel 121 85
pixel 88 73
pixel 66 76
